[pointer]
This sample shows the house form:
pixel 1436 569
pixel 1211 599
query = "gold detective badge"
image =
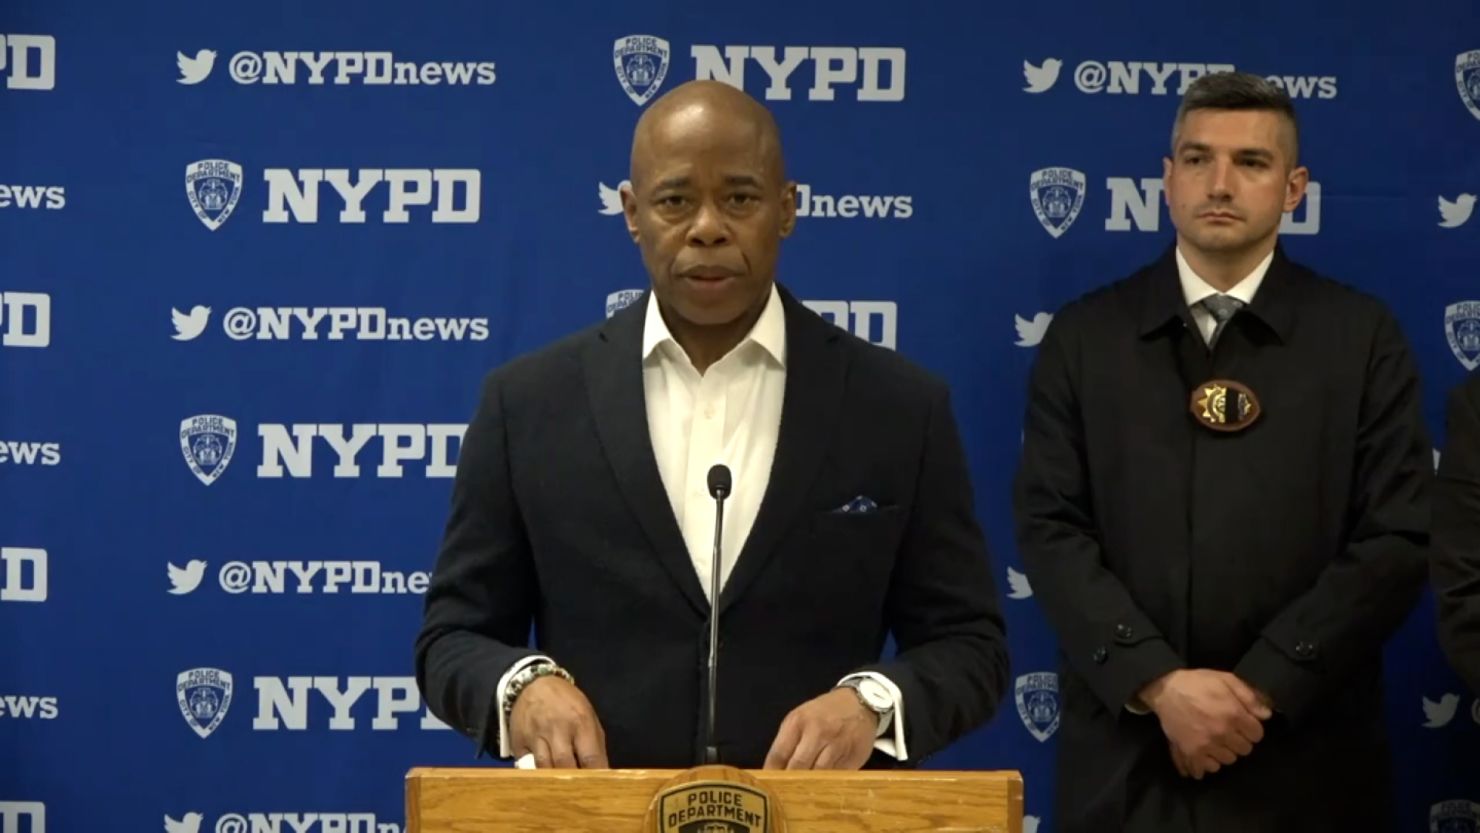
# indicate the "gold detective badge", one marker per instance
pixel 1225 405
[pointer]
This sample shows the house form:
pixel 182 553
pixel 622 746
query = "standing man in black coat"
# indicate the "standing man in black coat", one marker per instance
pixel 1456 552
pixel 1223 508
pixel 581 506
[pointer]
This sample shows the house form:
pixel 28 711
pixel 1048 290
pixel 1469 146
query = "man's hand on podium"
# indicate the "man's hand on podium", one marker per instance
pixel 553 720
pixel 834 731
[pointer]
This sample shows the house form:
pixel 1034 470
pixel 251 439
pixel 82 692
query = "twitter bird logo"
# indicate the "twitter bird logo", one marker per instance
pixel 1041 78
pixel 1018 586
pixel 1439 714
pixel 195 70
pixel 1031 332
pixel 185 580
pixel 189 824
pixel 611 198
pixel 189 327
pixel 1457 213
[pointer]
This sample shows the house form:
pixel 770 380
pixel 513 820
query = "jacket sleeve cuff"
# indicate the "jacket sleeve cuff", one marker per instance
pixel 1293 684
pixel 1117 672
pixel 496 716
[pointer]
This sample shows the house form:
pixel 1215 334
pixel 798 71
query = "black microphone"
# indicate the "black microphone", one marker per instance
pixel 719 489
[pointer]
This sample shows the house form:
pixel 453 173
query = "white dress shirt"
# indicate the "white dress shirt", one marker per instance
pixel 1194 290
pixel 729 414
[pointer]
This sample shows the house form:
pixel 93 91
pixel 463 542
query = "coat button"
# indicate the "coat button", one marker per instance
pixel 1305 650
pixel 1124 632
pixel 1100 655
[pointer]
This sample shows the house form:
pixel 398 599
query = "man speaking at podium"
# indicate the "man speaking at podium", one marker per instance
pixel 585 504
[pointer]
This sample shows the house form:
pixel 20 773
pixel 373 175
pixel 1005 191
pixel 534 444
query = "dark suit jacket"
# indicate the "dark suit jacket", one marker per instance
pixel 1286 554
pixel 1456 551
pixel 559 518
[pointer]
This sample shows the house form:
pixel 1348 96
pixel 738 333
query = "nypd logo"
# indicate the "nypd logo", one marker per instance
pixel 877 72
pixel 213 186
pixel 1057 195
pixel 1454 817
pixel 1462 329
pixel 208 441
pixel 23 574
pixel 278 822
pixel 1136 204
pixel 204 697
pixel 288 450
pixel 1037 697
pixel 28 62
pixel 453 195
pixel 1467 79
pixel 641 62
pixel 287 703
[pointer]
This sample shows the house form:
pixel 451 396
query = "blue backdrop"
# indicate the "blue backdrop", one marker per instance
pixel 256 257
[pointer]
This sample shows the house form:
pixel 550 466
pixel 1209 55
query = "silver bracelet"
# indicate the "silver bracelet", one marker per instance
pixel 529 675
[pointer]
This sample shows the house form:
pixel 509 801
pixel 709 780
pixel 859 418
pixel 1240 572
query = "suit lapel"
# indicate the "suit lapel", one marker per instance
pixel 815 370
pixel 613 372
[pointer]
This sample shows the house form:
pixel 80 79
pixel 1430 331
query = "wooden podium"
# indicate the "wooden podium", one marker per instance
pixel 617 801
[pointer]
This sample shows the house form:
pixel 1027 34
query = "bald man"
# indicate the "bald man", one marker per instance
pixel 581 508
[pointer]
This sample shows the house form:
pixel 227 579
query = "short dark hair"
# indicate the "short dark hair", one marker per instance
pixel 1238 91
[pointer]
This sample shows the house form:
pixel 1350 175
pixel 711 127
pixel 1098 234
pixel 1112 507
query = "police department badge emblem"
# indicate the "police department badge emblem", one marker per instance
pixel 1057 194
pixel 1467 78
pixel 204 695
pixel 207 441
pixel 1454 817
pixel 1037 698
pixel 642 63
pixel 714 799
pixel 213 187
pixel 1462 328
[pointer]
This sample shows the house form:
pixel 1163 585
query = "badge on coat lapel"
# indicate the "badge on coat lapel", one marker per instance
pixel 1454 817
pixel 1037 698
pixel 1225 405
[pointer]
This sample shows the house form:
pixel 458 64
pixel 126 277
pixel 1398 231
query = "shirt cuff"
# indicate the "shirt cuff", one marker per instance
pixel 498 700
pixel 890 743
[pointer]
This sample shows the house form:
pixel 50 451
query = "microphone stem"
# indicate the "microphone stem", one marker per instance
pixel 711 751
